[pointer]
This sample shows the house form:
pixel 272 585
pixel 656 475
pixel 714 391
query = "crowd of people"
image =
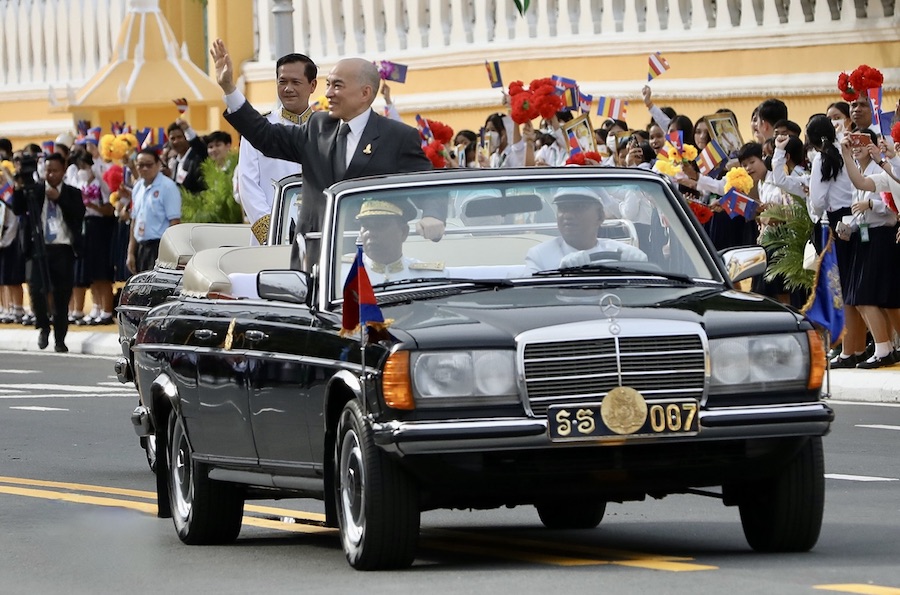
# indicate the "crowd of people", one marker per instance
pixel 840 167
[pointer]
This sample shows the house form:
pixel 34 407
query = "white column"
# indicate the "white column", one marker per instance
pixel 263 19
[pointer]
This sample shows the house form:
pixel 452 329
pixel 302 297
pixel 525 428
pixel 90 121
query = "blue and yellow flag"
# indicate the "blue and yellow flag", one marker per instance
pixel 826 304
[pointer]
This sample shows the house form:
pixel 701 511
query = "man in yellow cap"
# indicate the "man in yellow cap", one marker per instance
pixel 384 226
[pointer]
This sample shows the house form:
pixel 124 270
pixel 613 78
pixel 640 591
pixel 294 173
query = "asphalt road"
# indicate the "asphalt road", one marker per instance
pixel 77 512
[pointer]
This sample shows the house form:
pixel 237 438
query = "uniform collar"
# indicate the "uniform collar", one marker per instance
pixel 296 118
pixel 386 269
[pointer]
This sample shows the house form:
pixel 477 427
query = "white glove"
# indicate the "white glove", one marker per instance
pixel 575 259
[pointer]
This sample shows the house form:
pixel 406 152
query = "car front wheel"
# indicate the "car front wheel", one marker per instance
pixel 783 513
pixel 205 511
pixel 377 502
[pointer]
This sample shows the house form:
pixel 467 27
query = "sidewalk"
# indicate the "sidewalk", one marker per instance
pixel 868 386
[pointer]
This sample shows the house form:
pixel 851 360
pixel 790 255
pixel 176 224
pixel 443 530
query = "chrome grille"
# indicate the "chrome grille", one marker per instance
pixel 585 370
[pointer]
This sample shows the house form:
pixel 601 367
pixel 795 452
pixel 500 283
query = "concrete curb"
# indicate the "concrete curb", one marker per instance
pixel 90 343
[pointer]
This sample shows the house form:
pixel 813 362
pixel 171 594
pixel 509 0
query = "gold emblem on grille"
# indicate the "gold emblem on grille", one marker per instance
pixel 623 410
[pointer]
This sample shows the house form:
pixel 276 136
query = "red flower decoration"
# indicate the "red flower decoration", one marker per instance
pixel 435 153
pixel 582 158
pixel 576 159
pixel 593 155
pixel 895 132
pixel 539 99
pixel 865 77
pixel 701 211
pixel 848 93
pixel 523 107
pixel 113 177
pixel 516 87
pixel 442 133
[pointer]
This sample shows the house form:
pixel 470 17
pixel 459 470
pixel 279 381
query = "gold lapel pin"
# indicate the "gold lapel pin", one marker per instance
pixel 368 149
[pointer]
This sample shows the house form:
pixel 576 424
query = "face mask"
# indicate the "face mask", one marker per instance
pixel 493 139
pixel 83 176
pixel 611 142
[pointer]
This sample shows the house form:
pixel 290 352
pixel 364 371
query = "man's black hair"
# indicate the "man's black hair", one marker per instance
pixel 218 136
pixel 792 126
pixel 772 110
pixel 310 70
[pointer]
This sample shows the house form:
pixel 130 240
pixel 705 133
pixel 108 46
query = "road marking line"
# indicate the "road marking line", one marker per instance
pixel 116 384
pixel 858 477
pixel 19 372
pixel 72 388
pixel 36 408
pixel 860 589
pixel 878 426
pixel 440 539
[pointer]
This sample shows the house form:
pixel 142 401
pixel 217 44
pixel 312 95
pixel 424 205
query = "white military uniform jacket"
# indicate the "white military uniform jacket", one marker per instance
pixel 405 268
pixel 256 173
pixel 548 255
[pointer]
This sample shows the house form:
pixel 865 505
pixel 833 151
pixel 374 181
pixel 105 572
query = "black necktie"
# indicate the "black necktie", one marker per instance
pixel 339 164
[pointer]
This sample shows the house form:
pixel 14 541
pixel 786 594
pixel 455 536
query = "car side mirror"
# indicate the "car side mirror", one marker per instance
pixel 283 286
pixel 743 263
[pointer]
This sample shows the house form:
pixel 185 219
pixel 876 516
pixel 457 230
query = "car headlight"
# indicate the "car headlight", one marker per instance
pixel 766 362
pixel 452 378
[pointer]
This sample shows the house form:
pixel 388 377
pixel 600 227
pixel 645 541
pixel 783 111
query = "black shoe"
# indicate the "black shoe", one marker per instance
pixel 877 362
pixel 102 321
pixel 845 362
pixel 61 348
pixel 43 338
pixel 84 321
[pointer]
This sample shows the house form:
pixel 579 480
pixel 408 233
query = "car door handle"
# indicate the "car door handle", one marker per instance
pixel 204 334
pixel 254 335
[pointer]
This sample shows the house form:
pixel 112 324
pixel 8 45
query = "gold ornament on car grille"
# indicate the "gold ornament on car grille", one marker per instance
pixel 623 410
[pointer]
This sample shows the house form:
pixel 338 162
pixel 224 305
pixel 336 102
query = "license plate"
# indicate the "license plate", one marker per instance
pixel 623 418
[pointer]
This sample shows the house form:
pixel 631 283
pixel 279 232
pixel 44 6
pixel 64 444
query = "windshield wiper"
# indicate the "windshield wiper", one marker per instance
pixel 601 267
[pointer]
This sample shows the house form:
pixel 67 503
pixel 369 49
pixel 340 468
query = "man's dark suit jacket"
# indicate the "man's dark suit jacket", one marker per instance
pixel 193 181
pixel 69 202
pixel 385 147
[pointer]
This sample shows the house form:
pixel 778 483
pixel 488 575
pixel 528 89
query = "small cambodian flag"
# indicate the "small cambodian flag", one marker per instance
pixel 610 107
pixel 574 146
pixel 48 146
pixel 826 304
pixel 711 156
pixel 738 204
pixel 493 70
pixel 584 102
pixel 360 307
pixel 424 129
pixel 875 104
pixel 676 137
pixel 182 104
pixel 6 192
pixel 658 65
pixel 562 83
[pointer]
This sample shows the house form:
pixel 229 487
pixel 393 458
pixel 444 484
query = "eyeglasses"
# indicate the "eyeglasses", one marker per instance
pixel 140 165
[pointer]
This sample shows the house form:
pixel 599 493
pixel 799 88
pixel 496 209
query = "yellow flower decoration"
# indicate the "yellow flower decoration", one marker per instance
pixel 666 167
pixel 114 197
pixel 321 104
pixel 131 140
pixel 106 142
pixel 8 166
pixel 737 177
pixel 689 152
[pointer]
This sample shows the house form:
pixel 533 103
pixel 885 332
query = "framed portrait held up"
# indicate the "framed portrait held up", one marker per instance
pixel 723 129
pixel 580 127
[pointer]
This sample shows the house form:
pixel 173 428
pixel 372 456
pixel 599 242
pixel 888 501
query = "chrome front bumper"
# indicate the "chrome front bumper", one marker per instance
pixel 473 435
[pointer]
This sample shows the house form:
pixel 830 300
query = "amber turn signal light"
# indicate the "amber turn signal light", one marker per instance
pixel 816 360
pixel 395 383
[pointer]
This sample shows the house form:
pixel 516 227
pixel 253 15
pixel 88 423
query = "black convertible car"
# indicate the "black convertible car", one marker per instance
pixel 511 369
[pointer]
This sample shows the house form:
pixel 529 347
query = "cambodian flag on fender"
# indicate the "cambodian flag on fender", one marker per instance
pixel 826 305
pixel 360 307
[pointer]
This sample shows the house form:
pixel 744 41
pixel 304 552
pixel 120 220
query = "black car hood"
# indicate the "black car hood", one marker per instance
pixel 492 318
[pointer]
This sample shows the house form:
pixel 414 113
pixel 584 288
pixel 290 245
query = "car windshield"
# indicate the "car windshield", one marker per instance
pixel 513 229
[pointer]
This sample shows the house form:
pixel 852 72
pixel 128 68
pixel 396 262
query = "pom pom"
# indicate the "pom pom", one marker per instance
pixel 848 93
pixel 114 177
pixel 895 132
pixel 523 108
pixel 435 153
pixel 576 159
pixel 865 77
pixel 738 178
pixel 442 133
pixel 702 212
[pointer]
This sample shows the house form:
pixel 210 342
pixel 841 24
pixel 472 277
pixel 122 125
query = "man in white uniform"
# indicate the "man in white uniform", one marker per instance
pixel 384 226
pixel 579 215
pixel 296 81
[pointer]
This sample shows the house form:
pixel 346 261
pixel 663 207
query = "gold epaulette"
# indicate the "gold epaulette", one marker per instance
pixel 426 266
pixel 260 229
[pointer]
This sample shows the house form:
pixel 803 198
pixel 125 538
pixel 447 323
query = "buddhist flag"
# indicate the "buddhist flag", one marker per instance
pixel 826 305
pixel 658 65
pixel 574 146
pixel 391 71
pixel 610 107
pixel 738 204
pixel 710 157
pixel 182 104
pixel 570 98
pixel 493 70
pixel 584 102
pixel 360 308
